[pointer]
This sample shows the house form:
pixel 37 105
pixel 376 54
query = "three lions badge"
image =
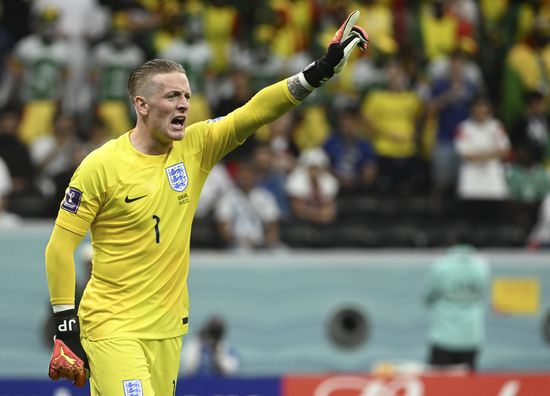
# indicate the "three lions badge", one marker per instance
pixel 177 176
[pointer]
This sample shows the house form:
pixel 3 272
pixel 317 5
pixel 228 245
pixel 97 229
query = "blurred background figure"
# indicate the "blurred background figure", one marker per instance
pixel 53 157
pixel 457 293
pixel 482 145
pixel 7 220
pixel 532 130
pixel 247 216
pixel 539 237
pixel 270 176
pixel 81 23
pixel 193 52
pixel 280 140
pixel 312 189
pixel 218 183
pixel 112 60
pixel 14 152
pixel 352 158
pixel 526 68
pixel 393 116
pixel 209 353
pixel 37 71
pixel 451 97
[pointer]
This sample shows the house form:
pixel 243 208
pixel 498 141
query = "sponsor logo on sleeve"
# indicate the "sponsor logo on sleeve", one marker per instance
pixel 132 388
pixel 215 119
pixel 72 200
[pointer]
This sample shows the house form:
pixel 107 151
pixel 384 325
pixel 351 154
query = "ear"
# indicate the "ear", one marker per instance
pixel 141 105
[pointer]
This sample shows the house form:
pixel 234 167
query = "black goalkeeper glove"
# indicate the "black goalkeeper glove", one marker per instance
pixel 345 39
pixel 68 358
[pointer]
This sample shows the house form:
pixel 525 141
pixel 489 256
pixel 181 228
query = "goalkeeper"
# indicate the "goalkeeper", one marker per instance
pixel 137 195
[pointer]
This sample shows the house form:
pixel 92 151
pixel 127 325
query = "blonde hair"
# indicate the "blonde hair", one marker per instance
pixel 140 78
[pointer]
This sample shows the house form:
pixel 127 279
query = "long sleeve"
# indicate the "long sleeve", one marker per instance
pixel 60 266
pixel 266 106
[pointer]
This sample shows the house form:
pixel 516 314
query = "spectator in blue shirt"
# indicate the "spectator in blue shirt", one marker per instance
pixel 352 158
pixel 209 354
pixel 451 99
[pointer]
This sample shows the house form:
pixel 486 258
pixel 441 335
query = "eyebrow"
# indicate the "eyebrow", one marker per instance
pixel 178 92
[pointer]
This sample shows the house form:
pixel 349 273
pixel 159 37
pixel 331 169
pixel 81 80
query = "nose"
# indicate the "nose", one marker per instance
pixel 183 104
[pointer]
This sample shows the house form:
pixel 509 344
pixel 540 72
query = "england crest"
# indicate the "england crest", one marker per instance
pixel 177 176
pixel 132 388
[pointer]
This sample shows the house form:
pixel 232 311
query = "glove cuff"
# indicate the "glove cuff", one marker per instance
pixel 317 73
pixel 66 324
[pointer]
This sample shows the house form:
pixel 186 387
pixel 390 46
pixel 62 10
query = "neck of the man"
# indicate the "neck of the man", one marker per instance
pixel 143 141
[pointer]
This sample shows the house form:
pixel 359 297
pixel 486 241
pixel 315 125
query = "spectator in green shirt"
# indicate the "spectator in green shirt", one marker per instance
pixel 456 293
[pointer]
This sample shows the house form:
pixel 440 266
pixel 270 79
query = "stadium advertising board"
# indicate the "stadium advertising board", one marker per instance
pixel 186 387
pixel 509 384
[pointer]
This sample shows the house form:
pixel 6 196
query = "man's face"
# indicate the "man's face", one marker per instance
pixel 167 107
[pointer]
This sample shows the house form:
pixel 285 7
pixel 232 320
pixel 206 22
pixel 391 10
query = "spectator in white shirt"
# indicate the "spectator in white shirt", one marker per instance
pixel 218 183
pixel 248 216
pixel 482 145
pixel 312 188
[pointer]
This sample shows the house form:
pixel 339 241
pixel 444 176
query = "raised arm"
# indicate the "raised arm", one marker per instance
pixel 272 102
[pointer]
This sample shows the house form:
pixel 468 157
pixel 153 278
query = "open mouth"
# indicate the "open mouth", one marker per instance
pixel 178 121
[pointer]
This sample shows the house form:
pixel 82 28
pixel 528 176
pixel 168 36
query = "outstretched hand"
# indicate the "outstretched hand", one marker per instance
pixel 346 38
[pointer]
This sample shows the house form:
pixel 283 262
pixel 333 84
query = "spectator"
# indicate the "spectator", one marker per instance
pixel 528 181
pixel 240 92
pixel 97 135
pixel 312 189
pixel 539 236
pixel 482 145
pixel 393 118
pixel 456 293
pixel 209 354
pixel 220 20
pixel 217 184
pixel 261 63
pixel 192 51
pixel 247 216
pixel 81 23
pixel 352 159
pixel 112 61
pixel 270 177
pixel 284 149
pixel 532 131
pixel 525 69
pixel 451 99
pixel 439 29
pixel 14 152
pixel 7 220
pixel 379 17
pixel 37 73
pixel 54 155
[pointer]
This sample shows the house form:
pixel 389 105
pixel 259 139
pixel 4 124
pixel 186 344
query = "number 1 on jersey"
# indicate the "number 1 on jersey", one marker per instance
pixel 157 230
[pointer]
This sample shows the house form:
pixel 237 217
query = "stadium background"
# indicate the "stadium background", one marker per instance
pixel 280 305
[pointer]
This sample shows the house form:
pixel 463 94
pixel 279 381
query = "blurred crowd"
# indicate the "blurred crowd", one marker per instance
pixel 449 106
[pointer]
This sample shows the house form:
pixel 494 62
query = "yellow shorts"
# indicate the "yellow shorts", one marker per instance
pixel 133 367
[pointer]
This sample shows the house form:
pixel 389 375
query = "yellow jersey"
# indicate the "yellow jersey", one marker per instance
pixel 139 209
pixel 393 112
